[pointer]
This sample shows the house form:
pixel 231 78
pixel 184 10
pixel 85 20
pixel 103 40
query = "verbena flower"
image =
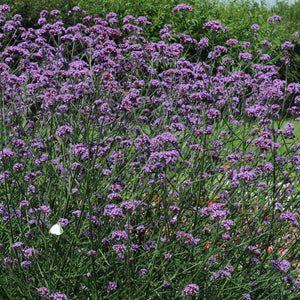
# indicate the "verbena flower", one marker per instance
pixel 26 264
pixel 287 45
pixel 143 271
pixel 17 245
pixel 274 18
pixel 112 285
pixel 64 130
pixel 182 7
pixel 58 296
pixel 43 291
pixel 214 25
pixel 119 235
pixel 255 27
pixel 190 289
pixel 232 42
pixel 245 56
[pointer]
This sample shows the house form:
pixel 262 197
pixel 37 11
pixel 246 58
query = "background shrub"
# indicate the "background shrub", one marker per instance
pixel 238 16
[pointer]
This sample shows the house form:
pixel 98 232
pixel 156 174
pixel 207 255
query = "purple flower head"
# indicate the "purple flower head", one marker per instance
pixel 297 285
pixel 290 217
pixel 246 45
pixel 119 235
pixel 30 252
pixel 128 19
pixel 58 296
pixel 266 43
pixel 111 15
pixel 76 8
pixel 43 291
pixel 245 56
pixel 265 57
pixel 142 20
pixel 223 273
pixel 226 237
pixel 141 228
pixel 24 203
pixel 284 266
pixel 190 289
pixel 130 205
pixel 287 45
pixel 7 260
pixel 275 263
pixel 117 212
pixel 63 221
pixel 254 260
pixel 274 18
pixel 119 248
pixel 4 9
pixel 203 43
pixel 45 209
pixel 247 296
pixel 134 247
pixel 265 144
pixel 213 113
pixel 143 271
pixel 229 268
pixel 189 239
pixel 288 278
pixel 6 153
pixel 255 249
pixel 26 264
pixel 214 26
pixel 64 130
pixel 166 283
pixel 18 167
pixel 112 285
pixel 255 27
pixel 76 213
pixel 91 252
pixel 232 42
pixel 55 12
pixel 17 245
pixel 181 7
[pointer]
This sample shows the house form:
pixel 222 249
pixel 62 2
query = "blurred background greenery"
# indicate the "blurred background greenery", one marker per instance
pixel 237 15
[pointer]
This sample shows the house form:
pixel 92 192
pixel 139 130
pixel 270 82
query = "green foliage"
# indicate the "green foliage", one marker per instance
pixel 30 9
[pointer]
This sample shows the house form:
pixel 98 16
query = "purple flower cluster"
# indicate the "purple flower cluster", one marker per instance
pixel 283 265
pixel 190 289
pixel 148 159
pixel 214 26
pixel 182 7
pixel 274 18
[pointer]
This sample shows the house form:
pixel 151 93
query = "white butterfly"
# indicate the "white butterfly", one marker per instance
pixel 56 229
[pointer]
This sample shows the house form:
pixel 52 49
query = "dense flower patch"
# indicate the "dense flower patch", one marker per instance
pixel 169 178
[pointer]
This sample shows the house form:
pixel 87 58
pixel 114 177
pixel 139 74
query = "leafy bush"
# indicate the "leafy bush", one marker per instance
pixel 237 15
pixel 30 9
